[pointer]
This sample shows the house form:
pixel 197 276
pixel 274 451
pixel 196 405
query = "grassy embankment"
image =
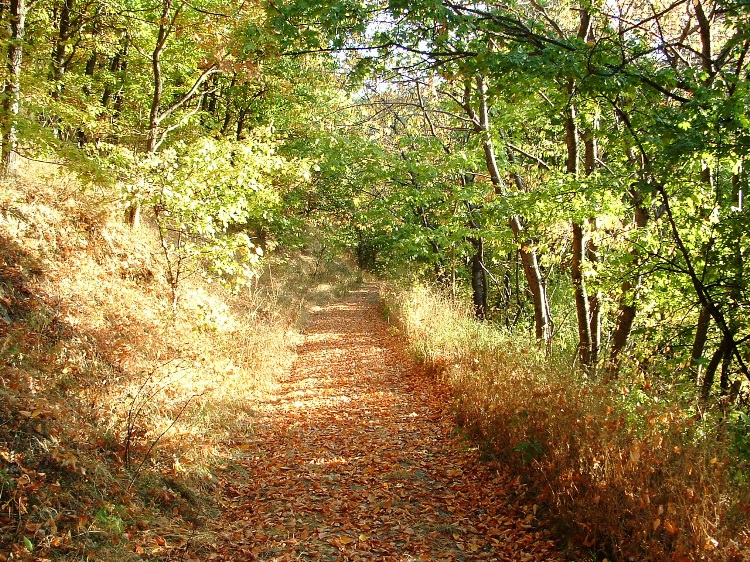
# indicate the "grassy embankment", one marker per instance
pixel 626 471
pixel 118 412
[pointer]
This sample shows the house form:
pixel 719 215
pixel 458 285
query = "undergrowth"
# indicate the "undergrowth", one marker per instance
pixel 118 412
pixel 627 471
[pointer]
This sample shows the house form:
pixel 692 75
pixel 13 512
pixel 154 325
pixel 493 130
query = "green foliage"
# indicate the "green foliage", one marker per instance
pixel 217 203
pixel 109 519
pixel 739 430
pixel 28 544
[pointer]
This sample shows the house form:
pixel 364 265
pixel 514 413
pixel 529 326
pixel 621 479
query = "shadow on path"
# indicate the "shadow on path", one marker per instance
pixel 356 458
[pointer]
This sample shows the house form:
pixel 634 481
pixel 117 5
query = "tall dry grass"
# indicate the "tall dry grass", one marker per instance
pixel 628 473
pixel 120 409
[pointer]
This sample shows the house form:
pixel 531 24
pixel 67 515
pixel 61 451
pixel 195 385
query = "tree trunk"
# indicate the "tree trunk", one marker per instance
pixel 716 359
pixel 542 316
pixel 587 307
pixel 581 298
pixel 595 307
pixel 594 297
pixel 585 344
pixel 241 123
pixel 133 211
pixel 60 47
pixel 161 40
pixel 118 97
pixel 12 98
pixel 116 65
pixel 627 310
pixel 701 291
pixel 738 191
pixel 537 287
pixel 726 364
pixel 479 279
pixel 699 342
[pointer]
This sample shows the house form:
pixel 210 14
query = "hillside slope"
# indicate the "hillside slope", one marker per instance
pixel 115 407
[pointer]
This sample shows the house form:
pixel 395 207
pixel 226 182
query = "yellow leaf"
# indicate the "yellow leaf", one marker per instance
pixel 346 540
pixel 635 454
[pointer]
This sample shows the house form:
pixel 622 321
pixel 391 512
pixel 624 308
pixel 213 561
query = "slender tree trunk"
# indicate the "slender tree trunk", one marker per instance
pixel 704 296
pixel 60 48
pixel 704 316
pixel 585 344
pixel 716 359
pixel 227 96
pixel 738 191
pixel 161 40
pixel 212 97
pixel 91 67
pixel 581 298
pixel 116 65
pixel 241 123
pixel 595 306
pixel 587 306
pixel 594 297
pixel 133 212
pixel 726 365
pixel 89 74
pixel 699 341
pixel 59 61
pixel 537 287
pixel 12 98
pixel 479 279
pixel 118 97
pixel 542 316
pixel 627 311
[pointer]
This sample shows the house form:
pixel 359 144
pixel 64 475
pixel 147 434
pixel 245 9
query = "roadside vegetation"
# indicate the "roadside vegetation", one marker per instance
pixel 119 410
pixel 630 469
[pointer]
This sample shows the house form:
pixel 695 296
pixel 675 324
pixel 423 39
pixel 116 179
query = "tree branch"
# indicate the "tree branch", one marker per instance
pixel 189 95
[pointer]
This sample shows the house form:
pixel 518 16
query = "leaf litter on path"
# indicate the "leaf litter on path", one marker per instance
pixel 356 457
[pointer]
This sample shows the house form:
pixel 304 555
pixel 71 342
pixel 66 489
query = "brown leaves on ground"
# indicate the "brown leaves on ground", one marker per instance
pixel 356 458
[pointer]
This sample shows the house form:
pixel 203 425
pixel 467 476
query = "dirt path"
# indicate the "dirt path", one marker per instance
pixel 358 459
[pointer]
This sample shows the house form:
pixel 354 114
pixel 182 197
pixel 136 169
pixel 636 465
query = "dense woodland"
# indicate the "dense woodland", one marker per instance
pixel 573 171
pixel 542 158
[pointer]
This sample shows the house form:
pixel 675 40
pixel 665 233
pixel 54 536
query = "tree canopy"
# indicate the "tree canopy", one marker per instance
pixel 574 169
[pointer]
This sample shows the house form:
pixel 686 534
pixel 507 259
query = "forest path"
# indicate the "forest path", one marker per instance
pixel 356 458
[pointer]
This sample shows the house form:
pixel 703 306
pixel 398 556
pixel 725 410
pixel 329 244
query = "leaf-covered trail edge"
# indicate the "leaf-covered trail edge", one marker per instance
pixel 356 457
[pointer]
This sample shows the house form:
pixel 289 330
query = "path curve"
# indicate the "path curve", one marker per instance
pixel 358 459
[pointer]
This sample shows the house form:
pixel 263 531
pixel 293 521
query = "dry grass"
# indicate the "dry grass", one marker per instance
pixel 625 472
pixel 119 411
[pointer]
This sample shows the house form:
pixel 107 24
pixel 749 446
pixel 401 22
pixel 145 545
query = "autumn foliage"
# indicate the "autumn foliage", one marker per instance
pixel 627 469
pixel 116 407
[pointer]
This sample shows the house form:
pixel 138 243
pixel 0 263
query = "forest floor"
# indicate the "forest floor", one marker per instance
pixel 356 456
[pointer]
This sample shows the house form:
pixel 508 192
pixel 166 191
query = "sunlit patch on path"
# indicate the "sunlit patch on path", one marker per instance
pixel 356 458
